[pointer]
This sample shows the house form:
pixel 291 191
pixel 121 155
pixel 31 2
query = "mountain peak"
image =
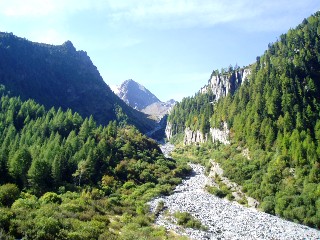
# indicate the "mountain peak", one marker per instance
pixel 135 95
pixel 140 98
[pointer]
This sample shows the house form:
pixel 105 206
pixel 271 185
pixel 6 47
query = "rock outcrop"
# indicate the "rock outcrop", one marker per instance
pixel 217 134
pixel 222 84
pixel 169 131
pixel 194 137
pixel 220 134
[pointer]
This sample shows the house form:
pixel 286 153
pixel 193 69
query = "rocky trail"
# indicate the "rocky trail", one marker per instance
pixel 223 219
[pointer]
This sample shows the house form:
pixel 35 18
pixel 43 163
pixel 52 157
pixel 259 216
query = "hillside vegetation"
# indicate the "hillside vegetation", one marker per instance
pixel 276 115
pixel 66 177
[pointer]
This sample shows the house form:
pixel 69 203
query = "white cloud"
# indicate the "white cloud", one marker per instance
pixel 179 13
pixel 16 8
pixel 162 13
pixel 49 36
pixel 41 8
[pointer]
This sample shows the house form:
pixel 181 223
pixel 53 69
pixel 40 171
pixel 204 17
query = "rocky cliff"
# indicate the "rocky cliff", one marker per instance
pixel 222 84
pixel 217 135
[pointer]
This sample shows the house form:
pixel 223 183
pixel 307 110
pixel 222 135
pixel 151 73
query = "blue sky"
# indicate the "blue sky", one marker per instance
pixel 169 46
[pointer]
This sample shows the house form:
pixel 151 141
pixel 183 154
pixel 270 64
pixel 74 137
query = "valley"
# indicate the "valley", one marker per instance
pixel 237 160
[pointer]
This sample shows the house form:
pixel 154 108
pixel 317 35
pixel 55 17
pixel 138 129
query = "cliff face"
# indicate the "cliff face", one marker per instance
pixel 217 134
pixel 60 76
pixel 220 134
pixel 194 137
pixel 222 84
pixel 168 131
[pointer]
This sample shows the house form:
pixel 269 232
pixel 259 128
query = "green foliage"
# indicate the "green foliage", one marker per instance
pixel 185 219
pixel 77 178
pixel 46 149
pixel 50 197
pixel 5 217
pixel 159 208
pixel 275 115
pixel 192 112
pixel 19 165
pixel 8 194
pixel 219 192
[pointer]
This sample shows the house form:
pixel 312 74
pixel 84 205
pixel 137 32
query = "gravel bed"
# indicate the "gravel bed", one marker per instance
pixel 223 219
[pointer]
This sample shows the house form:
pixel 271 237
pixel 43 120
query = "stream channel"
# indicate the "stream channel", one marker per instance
pixel 222 218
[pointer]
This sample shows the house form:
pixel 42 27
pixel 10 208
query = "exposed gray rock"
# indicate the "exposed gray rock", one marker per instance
pixel 159 109
pixel 167 149
pixel 169 131
pixel 221 134
pixel 140 98
pixel 218 135
pixel 224 219
pixel 194 137
pixel 222 84
pixel 135 95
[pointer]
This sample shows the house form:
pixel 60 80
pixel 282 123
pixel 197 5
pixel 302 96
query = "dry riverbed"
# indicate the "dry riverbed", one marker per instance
pixel 223 219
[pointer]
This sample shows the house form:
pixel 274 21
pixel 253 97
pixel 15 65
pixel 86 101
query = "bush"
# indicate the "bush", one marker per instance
pixel 5 216
pixel 159 208
pixel 50 197
pixel 26 201
pixel 243 201
pixel 8 194
pixel 187 220
pixel 221 193
pixel 47 228
pixel 268 204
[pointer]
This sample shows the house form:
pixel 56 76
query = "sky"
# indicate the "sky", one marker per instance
pixel 169 46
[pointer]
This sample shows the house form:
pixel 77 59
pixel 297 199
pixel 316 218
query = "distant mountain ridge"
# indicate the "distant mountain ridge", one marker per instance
pixel 140 98
pixel 61 76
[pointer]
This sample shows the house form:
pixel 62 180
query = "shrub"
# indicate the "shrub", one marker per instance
pixel 50 197
pixel 8 194
pixel 5 216
pixel 221 193
pixel 187 220
pixel 159 208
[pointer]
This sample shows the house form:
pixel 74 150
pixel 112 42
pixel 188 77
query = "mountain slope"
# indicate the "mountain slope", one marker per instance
pixel 135 95
pixel 159 109
pixel 273 118
pixel 140 98
pixel 60 76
